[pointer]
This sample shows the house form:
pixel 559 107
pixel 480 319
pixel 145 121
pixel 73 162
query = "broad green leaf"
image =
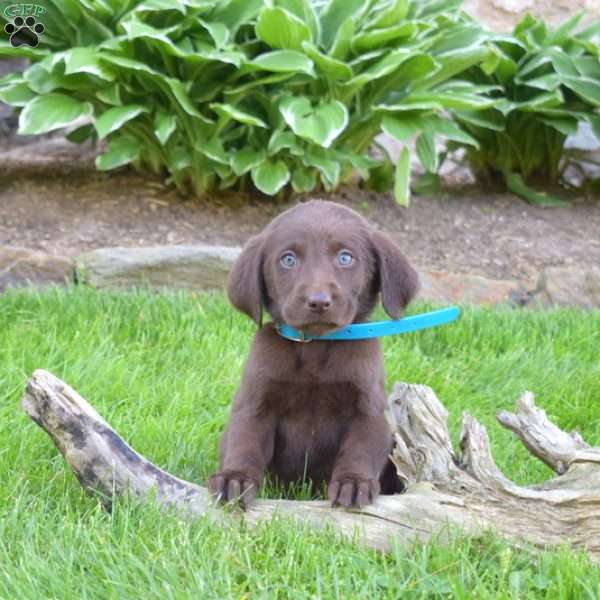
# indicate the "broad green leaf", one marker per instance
pixel 447 129
pixel 429 184
pixel 228 181
pixel 391 16
pixel 436 100
pixel 110 95
pixel 164 125
pixel 179 159
pixel 21 51
pixel 336 14
pixel 402 178
pixel 214 150
pixel 335 70
pixel 562 63
pixel 363 164
pixel 588 66
pixel 562 33
pixel 239 115
pixel 342 44
pixel 236 13
pixel 17 95
pixel 461 38
pixel 494 60
pixel 381 178
pixel 10 79
pixel 427 152
pixel 541 101
pixel 436 7
pixel 586 88
pixel 321 125
pixel 179 92
pixel 130 64
pixel 42 81
pixel 452 64
pixel 115 118
pixel 305 11
pixel 531 62
pixel 319 158
pixel 85 60
pixel 239 92
pixel 50 112
pixel 304 180
pixel 136 29
pixel 566 125
pixel 595 123
pixel 119 152
pixel 401 128
pixel 549 83
pixel 160 5
pixel 381 37
pixel 590 31
pixel 402 79
pixel 217 31
pixel 247 159
pixel 283 61
pixel 280 140
pixel 515 184
pixel 81 134
pixel 281 29
pixel 270 176
pixel 411 105
pixel 386 65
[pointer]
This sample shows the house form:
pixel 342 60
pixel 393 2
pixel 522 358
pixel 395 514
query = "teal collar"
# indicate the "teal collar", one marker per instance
pixel 363 331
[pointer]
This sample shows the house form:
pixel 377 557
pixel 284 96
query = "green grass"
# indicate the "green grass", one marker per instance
pixel 162 370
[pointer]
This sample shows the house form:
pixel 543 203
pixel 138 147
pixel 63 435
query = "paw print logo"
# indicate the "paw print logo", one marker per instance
pixel 24 32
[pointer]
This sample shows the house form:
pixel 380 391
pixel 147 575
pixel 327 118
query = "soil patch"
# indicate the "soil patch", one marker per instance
pixel 55 202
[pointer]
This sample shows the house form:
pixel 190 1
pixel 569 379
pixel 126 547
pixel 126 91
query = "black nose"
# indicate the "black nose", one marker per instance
pixel 319 301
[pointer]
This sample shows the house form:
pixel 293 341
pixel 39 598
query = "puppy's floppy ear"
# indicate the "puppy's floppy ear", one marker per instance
pixel 245 286
pixel 398 281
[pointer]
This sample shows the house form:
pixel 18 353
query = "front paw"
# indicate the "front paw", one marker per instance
pixel 233 486
pixel 352 491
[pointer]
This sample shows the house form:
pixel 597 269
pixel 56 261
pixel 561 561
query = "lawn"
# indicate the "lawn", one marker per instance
pixel 162 369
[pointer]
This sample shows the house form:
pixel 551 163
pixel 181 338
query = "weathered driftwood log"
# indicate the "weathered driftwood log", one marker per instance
pixel 465 490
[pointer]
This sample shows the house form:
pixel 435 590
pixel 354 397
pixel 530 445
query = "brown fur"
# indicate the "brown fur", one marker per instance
pixel 313 410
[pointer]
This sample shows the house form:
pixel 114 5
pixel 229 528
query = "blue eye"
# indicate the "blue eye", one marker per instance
pixel 288 260
pixel 345 258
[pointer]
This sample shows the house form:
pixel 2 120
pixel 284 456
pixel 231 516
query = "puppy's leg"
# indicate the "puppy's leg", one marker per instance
pixel 360 461
pixel 246 450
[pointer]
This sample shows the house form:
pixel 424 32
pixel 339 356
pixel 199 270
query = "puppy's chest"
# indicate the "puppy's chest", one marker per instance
pixel 311 420
pixel 311 402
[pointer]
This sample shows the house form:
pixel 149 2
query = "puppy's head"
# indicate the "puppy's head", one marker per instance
pixel 318 267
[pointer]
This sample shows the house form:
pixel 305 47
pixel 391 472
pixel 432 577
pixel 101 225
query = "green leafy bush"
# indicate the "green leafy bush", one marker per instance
pixel 219 92
pixel 546 81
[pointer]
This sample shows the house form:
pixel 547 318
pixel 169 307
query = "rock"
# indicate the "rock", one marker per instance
pixel 51 156
pixel 563 286
pixel 503 15
pixel 464 288
pixel 585 139
pixel 187 267
pixel 207 267
pixel 20 266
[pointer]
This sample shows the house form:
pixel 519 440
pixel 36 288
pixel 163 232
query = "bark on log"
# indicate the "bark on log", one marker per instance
pixel 444 488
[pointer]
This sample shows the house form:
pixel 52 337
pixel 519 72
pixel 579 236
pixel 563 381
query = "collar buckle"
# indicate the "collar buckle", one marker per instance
pixel 302 339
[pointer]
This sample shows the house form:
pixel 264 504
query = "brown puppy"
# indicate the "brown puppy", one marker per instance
pixel 313 410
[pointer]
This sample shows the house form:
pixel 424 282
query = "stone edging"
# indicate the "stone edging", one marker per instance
pixel 205 267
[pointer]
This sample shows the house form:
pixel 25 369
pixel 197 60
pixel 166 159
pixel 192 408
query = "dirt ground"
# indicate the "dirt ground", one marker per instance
pixel 60 205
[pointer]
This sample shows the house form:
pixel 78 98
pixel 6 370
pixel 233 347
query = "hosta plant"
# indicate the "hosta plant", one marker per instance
pixel 217 93
pixel 547 82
